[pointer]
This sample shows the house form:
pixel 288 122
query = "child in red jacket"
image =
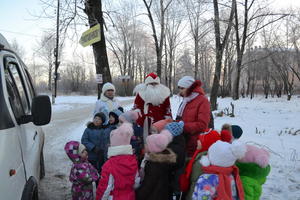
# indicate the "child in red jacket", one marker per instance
pixel 119 175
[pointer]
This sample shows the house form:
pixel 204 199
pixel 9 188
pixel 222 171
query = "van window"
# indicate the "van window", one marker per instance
pixel 15 77
pixel 5 118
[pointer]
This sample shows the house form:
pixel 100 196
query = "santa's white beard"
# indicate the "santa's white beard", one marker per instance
pixel 155 95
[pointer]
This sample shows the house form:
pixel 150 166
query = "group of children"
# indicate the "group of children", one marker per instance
pixel 221 167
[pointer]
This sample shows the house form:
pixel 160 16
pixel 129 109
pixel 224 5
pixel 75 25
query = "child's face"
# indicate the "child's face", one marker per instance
pixel 84 155
pixel 112 120
pixel 97 121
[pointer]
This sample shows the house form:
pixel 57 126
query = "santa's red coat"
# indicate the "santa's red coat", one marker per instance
pixel 155 113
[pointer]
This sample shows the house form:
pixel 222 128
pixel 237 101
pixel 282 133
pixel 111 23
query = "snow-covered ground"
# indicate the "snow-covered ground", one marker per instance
pixel 265 122
pixel 269 123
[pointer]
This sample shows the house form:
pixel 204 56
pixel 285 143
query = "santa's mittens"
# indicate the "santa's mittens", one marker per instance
pixel 175 128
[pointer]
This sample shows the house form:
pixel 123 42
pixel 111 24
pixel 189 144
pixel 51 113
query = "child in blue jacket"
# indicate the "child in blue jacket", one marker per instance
pixel 96 140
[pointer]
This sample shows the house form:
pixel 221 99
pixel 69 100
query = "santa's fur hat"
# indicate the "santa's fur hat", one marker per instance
pixel 152 78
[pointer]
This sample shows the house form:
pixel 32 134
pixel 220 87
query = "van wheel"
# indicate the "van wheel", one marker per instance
pixel 42 166
pixel 31 190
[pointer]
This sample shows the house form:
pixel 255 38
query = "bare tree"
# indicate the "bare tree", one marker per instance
pixel 46 53
pixel 18 48
pixel 220 46
pixel 158 41
pixel 199 26
pixel 254 19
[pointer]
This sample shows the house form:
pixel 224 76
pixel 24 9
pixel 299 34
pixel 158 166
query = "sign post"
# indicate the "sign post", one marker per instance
pixel 90 36
pixel 99 81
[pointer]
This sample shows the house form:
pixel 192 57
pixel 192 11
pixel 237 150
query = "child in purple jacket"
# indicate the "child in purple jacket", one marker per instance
pixel 82 172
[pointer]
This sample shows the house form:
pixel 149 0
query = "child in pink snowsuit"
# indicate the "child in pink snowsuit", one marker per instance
pixel 82 172
pixel 119 175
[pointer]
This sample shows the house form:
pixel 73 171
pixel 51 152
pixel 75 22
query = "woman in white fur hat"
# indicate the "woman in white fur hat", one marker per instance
pixel 194 111
pixel 107 101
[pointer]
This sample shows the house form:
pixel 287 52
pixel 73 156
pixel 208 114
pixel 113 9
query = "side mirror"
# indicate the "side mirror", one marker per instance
pixel 41 110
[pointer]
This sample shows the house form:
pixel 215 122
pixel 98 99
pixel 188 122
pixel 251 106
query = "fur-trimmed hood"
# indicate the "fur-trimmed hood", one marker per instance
pixel 150 95
pixel 167 156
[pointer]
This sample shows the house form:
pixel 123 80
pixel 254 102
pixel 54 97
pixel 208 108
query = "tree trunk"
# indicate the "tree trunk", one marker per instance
pixel 196 58
pixel 93 9
pixel 219 51
pixel 50 77
pixel 236 84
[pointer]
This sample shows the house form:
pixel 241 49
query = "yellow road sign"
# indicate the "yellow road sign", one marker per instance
pixel 90 36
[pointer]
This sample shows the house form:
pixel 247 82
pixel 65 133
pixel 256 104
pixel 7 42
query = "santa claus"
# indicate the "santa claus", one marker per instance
pixel 152 102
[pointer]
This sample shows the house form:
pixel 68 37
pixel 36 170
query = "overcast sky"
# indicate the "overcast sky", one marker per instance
pixel 18 23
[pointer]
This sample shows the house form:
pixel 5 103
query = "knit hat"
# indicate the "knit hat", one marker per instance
pixel 160 125
pixel 175 128
pixel 116 113
pixel 234 129
pixel 121 135
pixel 108 86
pixel 101 115
pixel 256 155
pixel 72 150
pixel 226 136
pixel 129 116
pixel 208 139
pixel 158 142
pixel 186 81
pixel 223 154
pixel 152 78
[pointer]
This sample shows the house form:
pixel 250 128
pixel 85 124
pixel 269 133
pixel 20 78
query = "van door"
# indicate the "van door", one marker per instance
pixel 29 134
pixel 12 169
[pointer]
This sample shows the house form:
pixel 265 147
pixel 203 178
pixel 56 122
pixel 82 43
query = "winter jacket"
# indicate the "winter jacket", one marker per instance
pixel 82 174
pixel 253 177
pixel 106 105
pixel 119 175
pixel 196 117
pixel 96 137
pixel 195 174
pixel 219 183
pixel 160 169
pixel 137 140
pixel 155 113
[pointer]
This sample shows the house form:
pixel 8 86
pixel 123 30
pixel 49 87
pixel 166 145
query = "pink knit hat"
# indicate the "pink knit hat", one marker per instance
pixel 121 135
pixel 256 155
pixel 129 116
pixel 158 142
pixel 160 125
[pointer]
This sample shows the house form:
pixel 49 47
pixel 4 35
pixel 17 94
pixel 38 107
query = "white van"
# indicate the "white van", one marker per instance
pixel 21 138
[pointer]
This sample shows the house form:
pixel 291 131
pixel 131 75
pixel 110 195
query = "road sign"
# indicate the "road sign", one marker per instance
pixel 90 36
pixel 99 78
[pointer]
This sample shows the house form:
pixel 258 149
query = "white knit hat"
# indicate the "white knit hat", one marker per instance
pixel 108 86
pixel 224 154
pixel 152 78
pixel 186 81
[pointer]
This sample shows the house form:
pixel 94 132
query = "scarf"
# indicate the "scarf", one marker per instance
pixel 185 101
pixel 224 187
pixel 108 101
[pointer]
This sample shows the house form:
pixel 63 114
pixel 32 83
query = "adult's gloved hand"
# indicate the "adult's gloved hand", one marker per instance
pixel 175 128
